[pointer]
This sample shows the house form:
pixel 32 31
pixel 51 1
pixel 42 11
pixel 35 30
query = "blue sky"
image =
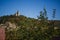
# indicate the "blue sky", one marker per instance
pixel 30 8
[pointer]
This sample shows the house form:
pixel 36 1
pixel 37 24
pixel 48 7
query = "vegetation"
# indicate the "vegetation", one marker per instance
pixel 30 28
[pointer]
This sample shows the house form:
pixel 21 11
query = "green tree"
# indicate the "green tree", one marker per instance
pixel 43 18
pixel 44 33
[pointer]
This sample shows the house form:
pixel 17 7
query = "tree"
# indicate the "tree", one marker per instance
pixel 43 18
pixel 54 12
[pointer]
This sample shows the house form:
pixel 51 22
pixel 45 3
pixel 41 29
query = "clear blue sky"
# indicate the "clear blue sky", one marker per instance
pixel 29 8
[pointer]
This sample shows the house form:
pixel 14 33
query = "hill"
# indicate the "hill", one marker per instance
pixel 25 28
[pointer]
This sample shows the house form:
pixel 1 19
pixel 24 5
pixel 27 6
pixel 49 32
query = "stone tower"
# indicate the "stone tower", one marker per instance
pixel 17 13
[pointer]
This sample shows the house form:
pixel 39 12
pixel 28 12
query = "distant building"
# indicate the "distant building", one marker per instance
pixel 17 13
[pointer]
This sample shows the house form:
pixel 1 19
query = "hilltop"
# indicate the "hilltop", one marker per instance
pixel 23 20
pixel 19 20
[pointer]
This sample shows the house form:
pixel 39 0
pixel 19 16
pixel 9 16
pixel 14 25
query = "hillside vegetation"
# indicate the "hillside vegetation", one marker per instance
pixel 28 29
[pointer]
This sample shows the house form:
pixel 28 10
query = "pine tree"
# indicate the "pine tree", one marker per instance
pixel 43 19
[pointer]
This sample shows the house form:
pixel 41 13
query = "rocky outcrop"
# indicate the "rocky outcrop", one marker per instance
pixel 8 25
